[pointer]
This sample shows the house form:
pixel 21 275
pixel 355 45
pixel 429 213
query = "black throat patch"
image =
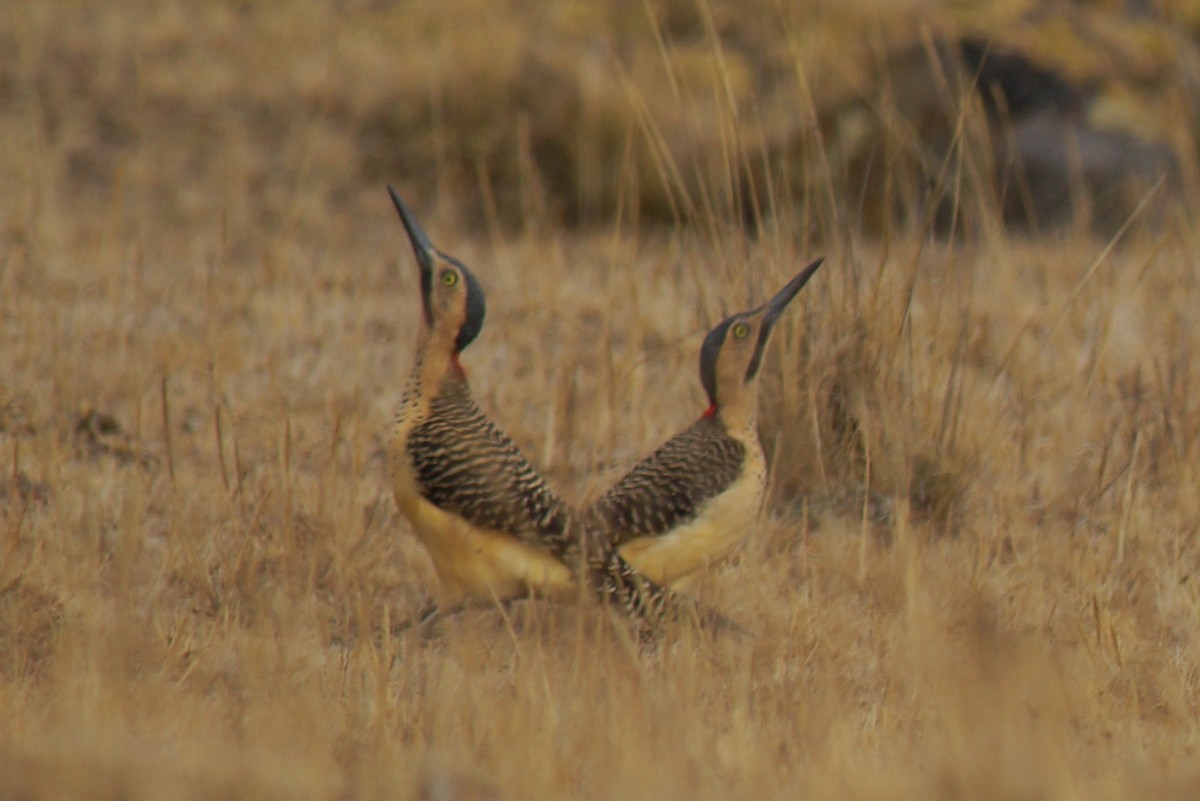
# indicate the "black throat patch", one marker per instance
pixel 476 310
pixel 759 348
pixel 709 352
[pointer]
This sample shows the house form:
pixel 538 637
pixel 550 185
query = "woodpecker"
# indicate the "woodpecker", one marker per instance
pixel 493 528
pixel 691 502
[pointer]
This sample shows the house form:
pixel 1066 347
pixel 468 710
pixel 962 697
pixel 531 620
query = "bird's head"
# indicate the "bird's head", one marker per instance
pixel 732 352
pixel 452 298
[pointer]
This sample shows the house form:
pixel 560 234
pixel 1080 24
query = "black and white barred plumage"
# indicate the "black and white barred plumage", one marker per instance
pixel 669 487
pixel 466 465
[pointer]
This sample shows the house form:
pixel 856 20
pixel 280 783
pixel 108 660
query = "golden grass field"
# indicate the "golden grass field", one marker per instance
pixel 976 574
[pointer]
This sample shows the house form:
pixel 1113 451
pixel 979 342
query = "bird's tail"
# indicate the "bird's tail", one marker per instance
pixel 653 606
pixel 650 605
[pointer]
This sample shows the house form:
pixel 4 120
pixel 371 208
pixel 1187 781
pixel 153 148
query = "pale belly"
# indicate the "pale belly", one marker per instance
pixel 724 523
pixel 475 562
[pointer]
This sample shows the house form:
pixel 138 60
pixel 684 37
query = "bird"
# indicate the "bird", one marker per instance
pixel 688 504
pixel 493 528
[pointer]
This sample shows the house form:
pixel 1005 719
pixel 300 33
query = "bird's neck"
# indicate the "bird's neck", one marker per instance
pixel 437 363
pixel 739 414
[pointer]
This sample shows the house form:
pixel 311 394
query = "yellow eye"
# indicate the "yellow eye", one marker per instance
pixel 449 277
pixel 740 330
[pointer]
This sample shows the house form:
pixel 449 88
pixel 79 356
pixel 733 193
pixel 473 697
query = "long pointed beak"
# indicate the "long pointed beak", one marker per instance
pixel 422 247
pixel 775 306
pixel 771 311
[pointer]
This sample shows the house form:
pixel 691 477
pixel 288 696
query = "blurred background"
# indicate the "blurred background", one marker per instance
pixel 862 115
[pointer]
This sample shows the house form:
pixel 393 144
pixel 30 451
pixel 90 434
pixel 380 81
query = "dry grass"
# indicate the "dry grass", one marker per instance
pixel 976 576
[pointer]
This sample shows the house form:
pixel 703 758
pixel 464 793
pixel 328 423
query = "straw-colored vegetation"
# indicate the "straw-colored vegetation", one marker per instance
pixel 976 574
